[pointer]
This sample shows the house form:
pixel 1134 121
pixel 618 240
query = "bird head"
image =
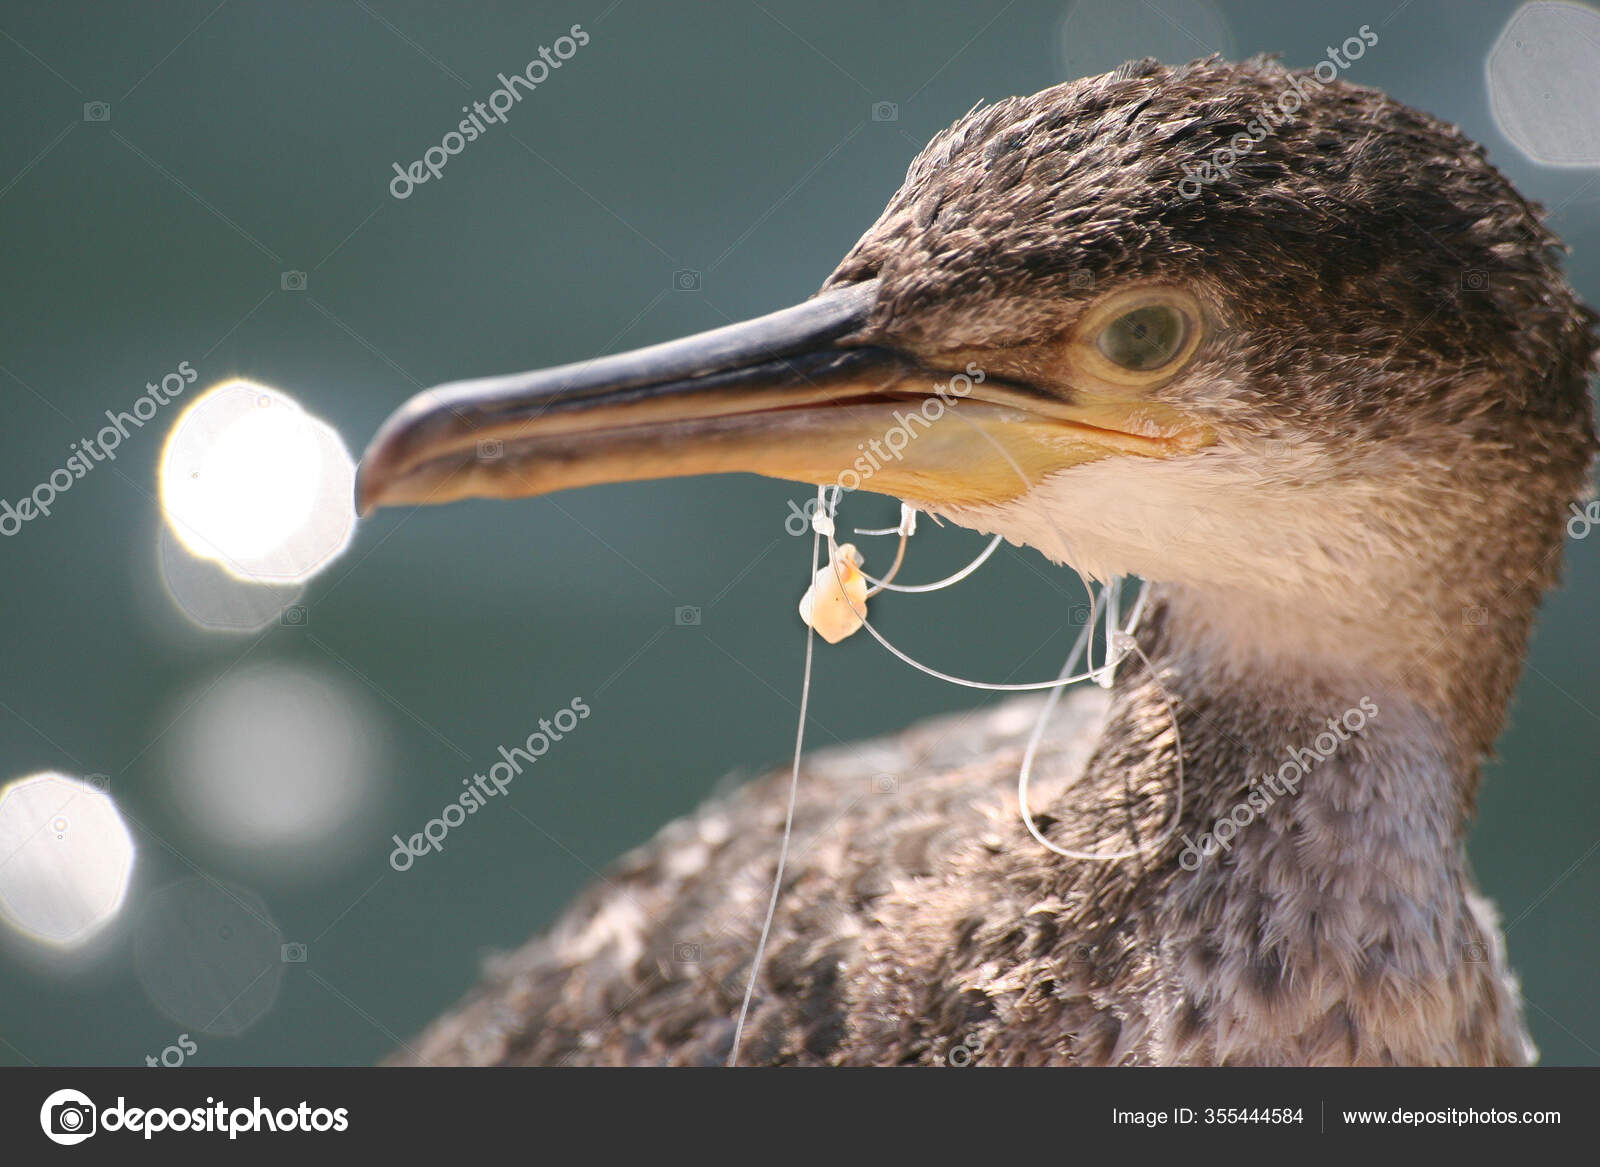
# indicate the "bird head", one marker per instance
pixel 1250 332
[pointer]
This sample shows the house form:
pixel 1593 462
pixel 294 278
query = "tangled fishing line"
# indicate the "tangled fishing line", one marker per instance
pixel 838 597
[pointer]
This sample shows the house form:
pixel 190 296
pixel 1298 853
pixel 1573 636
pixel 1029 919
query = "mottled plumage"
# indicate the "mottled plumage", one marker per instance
pixel 1395 378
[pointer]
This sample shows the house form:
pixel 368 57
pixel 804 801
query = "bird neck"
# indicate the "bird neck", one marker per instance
pixel 1261 693
pixel 1319 846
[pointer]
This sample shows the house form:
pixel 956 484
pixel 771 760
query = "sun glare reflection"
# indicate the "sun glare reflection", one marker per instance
pixel 65 858
pixel 251 482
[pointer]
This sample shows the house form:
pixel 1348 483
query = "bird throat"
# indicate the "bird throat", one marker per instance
pixel 1314 904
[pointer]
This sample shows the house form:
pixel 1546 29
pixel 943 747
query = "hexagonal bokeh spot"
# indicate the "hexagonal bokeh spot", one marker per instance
pixel 209 954
pixel 65 858
pixel 252 482
pixel 215 599
pixel 1543 75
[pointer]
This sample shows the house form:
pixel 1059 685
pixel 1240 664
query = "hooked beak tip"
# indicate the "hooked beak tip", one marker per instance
pixel 364 503
pixel 373 475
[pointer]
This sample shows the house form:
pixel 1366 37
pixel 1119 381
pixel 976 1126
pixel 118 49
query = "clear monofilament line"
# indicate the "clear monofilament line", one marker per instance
pixel 1119 642
pixel 950 678
pixel 937 585
pixel 788 818
pixel 1026 772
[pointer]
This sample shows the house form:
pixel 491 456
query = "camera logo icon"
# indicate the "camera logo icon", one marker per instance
pixel 885 111
pixel 884 784
pixel 490 449
pixel 687 616
pixel 1475 616
pixel 1473 280
pixel 1474 952
pixel 97 111
pixel 292 281
pixel 294 616
pixel 1080 279
pixel 965 1052
pixel 68 1117
pixel 686 953
pixel 687 280
pixel 293 953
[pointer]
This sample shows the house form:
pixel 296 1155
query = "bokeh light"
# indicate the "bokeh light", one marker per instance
pixel 216 600
pixel 253 483
pixel 65 858
pixel 277 763
pixel 209 955
pixel 1543 76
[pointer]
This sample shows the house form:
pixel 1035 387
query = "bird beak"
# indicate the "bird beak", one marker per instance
pixel 788 395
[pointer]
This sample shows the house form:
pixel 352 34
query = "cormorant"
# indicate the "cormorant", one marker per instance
pixel 1306 364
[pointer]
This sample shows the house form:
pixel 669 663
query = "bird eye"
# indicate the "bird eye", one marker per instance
pixel 1145 339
